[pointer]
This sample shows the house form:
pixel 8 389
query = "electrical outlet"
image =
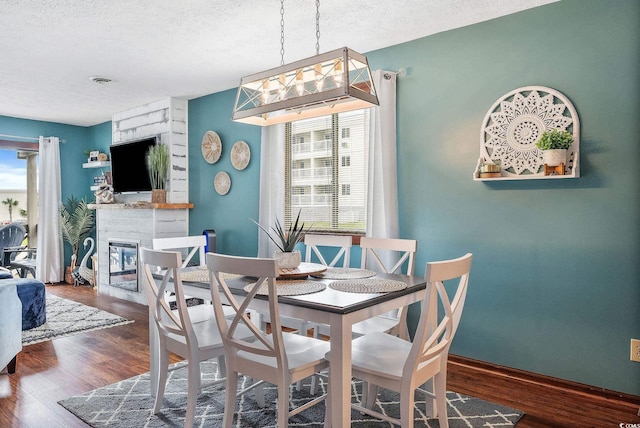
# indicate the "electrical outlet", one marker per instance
pixel 635 350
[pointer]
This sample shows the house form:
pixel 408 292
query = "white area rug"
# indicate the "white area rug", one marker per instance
pixel 66 317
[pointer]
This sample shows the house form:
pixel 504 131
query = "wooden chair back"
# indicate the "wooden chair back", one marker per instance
pixel 343 242
pixel 375 247
pixel 168 263
pixel 264 271
pixel 189 246
pixel 432 341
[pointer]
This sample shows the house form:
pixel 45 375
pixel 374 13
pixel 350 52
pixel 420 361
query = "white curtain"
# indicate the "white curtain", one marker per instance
pixel 382 187
pixel 49 260
pixel 271 184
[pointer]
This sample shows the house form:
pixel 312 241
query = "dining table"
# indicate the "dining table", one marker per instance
pixel 324 300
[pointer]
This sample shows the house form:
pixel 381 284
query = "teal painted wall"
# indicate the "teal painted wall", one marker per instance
pixel 554 284
pixel 228 215
pixel 74 180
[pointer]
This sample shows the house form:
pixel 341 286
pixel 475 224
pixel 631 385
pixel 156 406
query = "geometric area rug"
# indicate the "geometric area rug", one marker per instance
pixel 66 317
pixel 129 404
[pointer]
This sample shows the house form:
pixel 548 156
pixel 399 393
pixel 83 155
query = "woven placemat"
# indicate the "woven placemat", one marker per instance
pixel 290 288
pixel 369 285
pixel 202 275
pixel 344 273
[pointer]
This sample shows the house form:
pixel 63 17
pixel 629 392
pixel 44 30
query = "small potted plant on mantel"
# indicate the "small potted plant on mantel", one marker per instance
pixel 286 240
pixel 158 170
pixel 554 145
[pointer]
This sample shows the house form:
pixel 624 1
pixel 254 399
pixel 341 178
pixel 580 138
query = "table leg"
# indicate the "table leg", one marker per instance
pixel 340 372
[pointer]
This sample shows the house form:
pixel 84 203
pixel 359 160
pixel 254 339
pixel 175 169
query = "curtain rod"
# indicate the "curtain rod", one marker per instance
pixel 401 72
pixel 27 138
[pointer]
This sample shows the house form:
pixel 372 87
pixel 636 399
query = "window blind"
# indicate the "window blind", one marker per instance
pixel 326 161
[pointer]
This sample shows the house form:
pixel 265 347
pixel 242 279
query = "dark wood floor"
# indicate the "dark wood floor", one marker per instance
pixel 55 370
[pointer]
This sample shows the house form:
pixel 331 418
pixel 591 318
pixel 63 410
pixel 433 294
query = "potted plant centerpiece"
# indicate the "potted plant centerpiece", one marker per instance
pixel 77 221
pixel 158 170
pixel 286 240
pixel 554 145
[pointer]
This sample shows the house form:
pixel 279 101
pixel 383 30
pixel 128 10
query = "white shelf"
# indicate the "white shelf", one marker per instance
pixel 97 164
pixel 525 177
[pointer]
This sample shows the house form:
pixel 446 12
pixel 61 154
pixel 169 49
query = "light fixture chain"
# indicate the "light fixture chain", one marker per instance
pixel 281 32
pixel 317 27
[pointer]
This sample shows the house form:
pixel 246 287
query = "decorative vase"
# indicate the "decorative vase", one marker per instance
pixel 68 277
pixel 554 157
pixel 159 196
pixel 288 260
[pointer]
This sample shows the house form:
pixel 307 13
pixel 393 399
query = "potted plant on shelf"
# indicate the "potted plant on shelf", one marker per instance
pixel 554 145
pixel 158 170
pixel 77 222
pixel 286 240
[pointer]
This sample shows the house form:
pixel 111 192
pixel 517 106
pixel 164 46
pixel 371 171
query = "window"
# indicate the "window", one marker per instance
pixel 335 196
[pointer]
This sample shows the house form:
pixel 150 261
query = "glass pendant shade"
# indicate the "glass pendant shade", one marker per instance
pixel 328 83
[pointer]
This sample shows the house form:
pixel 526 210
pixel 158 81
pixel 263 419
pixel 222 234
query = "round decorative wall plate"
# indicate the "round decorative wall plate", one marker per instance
pixel 222 183
pixel 211 147
pixel 515 122
pixel 240 155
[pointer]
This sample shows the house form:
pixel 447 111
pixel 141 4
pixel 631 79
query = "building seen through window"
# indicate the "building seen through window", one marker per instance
pixel 326 161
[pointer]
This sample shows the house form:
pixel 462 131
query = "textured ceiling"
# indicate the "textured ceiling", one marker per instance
pixel 153 49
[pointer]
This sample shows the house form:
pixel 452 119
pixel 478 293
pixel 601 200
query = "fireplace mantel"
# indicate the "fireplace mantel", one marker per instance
pixel 142 205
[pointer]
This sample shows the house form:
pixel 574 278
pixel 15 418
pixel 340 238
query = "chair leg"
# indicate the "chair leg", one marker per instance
pixel 369 399
pixel 193 388
pixel 327 412
pixel 260 396
pixel 163 370
pixel 407 397
pixel 222 367
pixel 283 405
pixel 230 402
pixel 440 387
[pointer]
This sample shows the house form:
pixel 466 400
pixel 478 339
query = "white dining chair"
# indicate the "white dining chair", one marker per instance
pixel 377 250
pixel 278 358
pixel 315 244
pixel 390 362
pixel 178 330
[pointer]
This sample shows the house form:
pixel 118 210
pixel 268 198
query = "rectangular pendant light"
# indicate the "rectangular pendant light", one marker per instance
pixel 328 83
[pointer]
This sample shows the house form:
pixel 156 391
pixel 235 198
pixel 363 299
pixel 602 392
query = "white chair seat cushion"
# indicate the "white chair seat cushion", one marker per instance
pixel 208 334
pixel 375 324
pixel 378 353
pixel 302 351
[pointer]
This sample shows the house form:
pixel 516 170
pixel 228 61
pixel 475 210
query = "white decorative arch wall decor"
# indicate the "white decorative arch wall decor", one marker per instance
pixel 513 125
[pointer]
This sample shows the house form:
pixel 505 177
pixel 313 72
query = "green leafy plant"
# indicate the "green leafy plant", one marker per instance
pixel 158 165
pixel 555 139
pixel 10 203
pixel 285 240
pixel 77 221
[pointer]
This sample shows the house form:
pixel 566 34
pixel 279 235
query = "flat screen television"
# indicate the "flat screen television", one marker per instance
pixel 130 166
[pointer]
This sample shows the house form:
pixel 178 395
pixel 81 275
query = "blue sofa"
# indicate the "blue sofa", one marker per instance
pixel 32 294
pixel 10 325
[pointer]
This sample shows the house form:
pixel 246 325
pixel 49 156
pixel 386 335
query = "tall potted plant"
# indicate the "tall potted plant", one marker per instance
pixel 158 171
pixel 554 145
pixel 286 240
pixel 77 222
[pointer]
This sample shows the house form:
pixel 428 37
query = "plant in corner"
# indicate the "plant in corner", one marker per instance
pixel 554 145
pixel 286 241
pixel 77 221
pixel 158 171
